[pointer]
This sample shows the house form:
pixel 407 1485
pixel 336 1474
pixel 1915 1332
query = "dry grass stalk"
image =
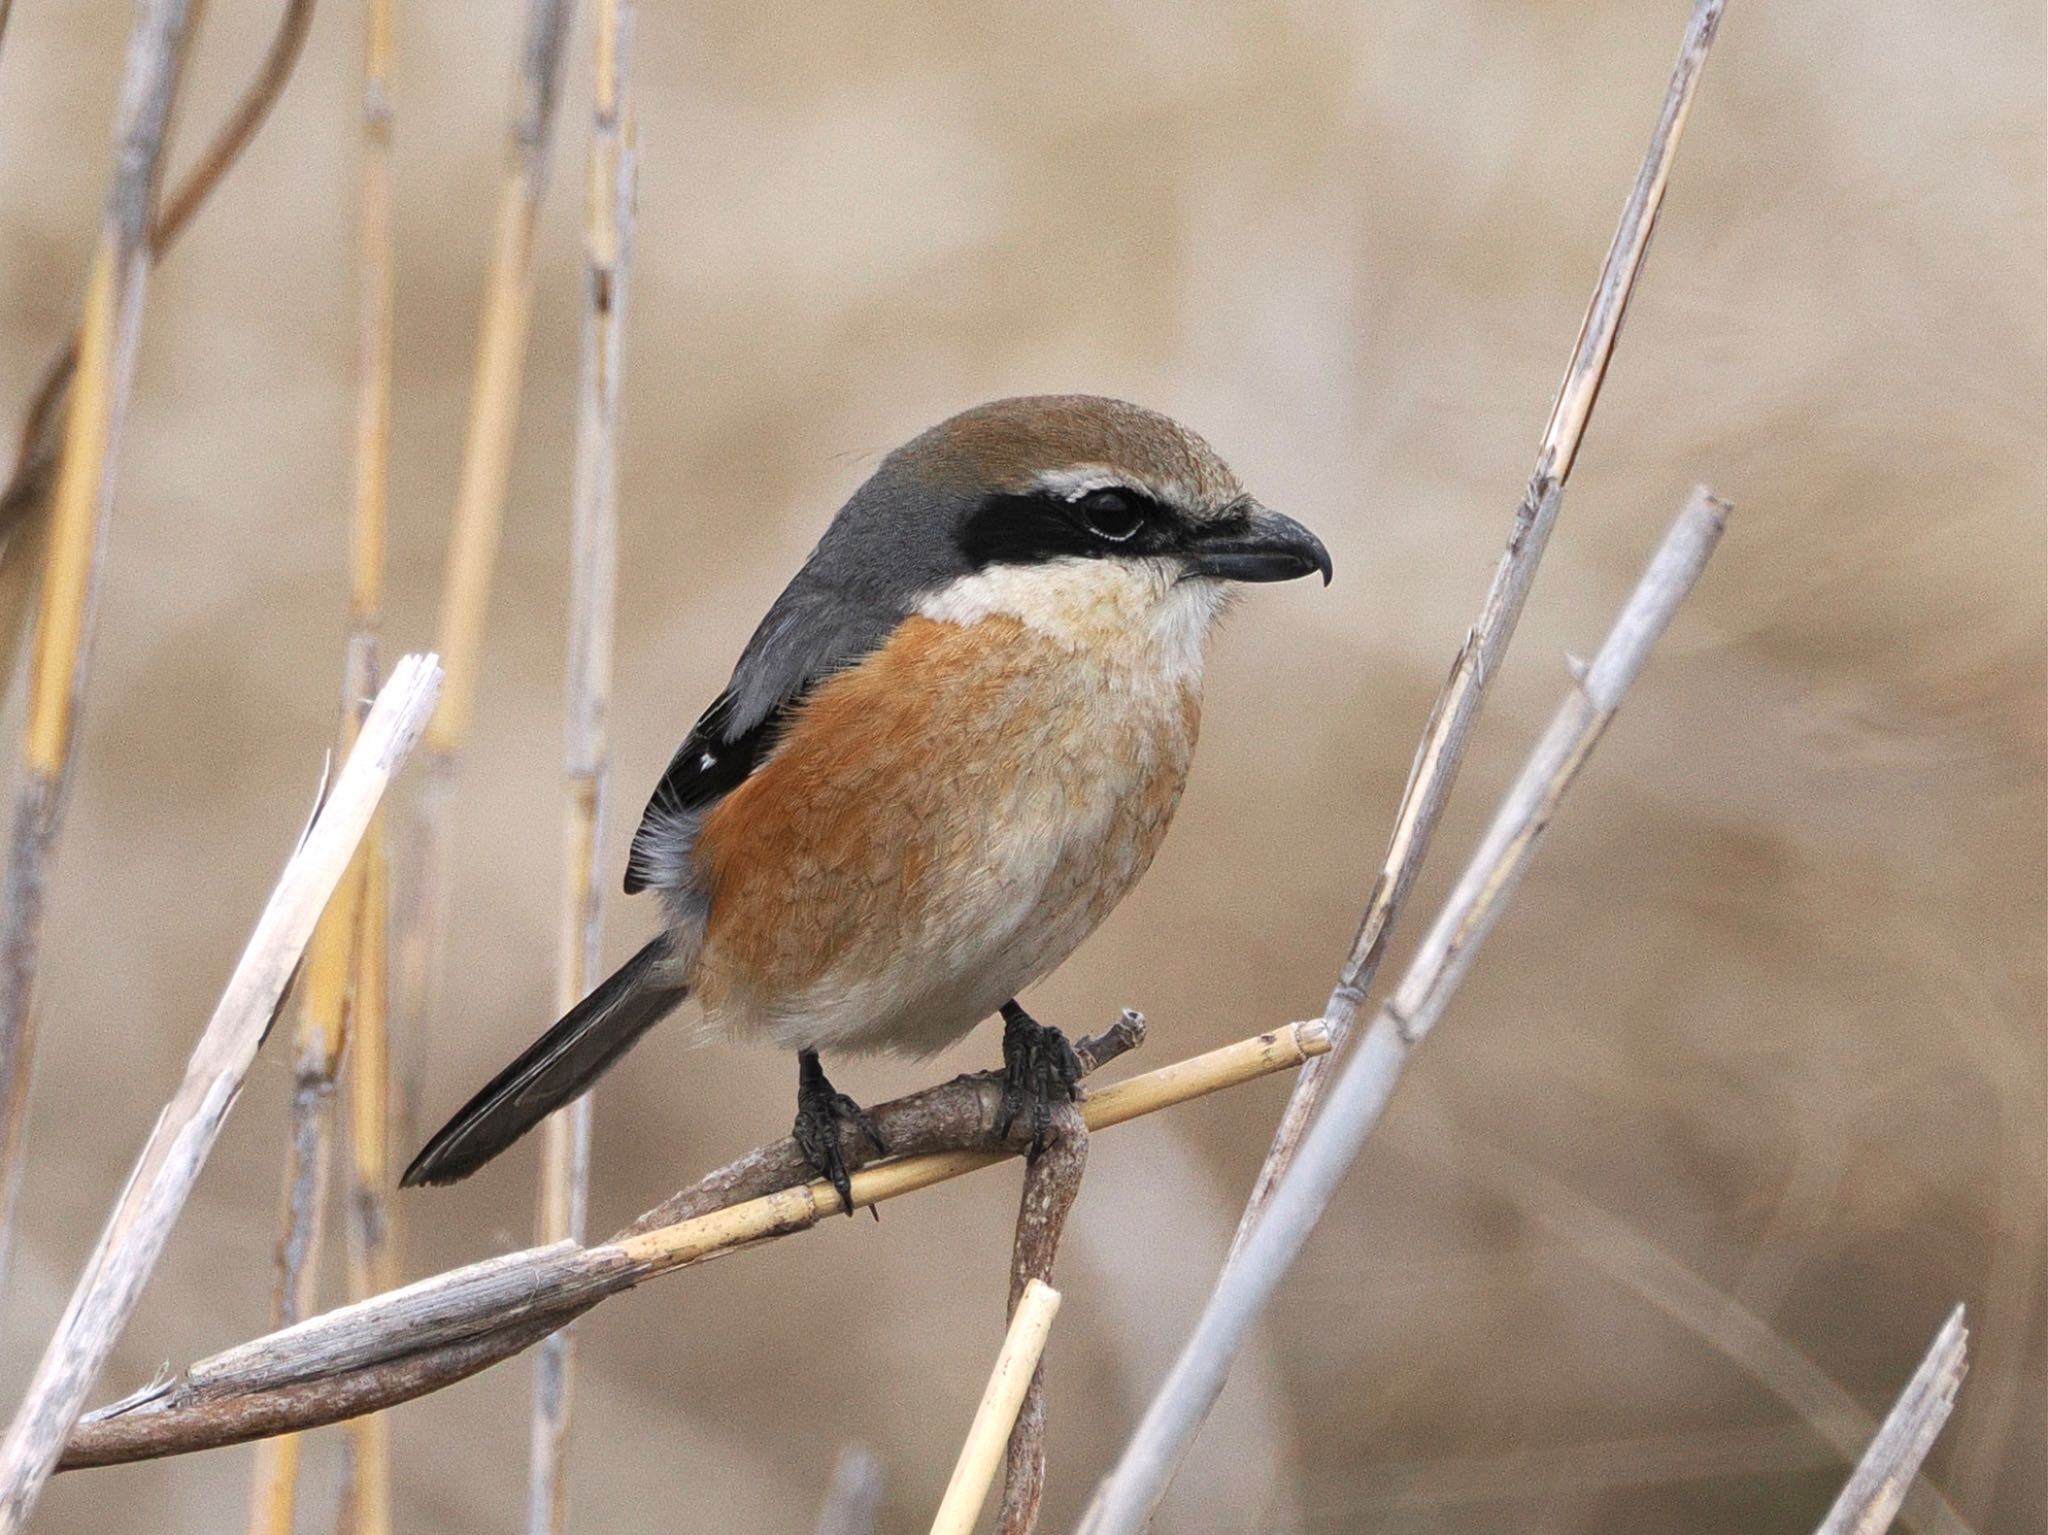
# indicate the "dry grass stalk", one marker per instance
pixel 1015 1368
pixel 177 1148
pixel 1871 1499
pixel 27 525
pixel 473 541
pixel 1051 1185
pixel 333 973
pixel 1133 1490
pixel 82 497
pixel 372 1245
pixel 854 1498
pixel 1456 711
pixel 26 496
pixel 316 1058
pixel 565 1153
pixel 437 1331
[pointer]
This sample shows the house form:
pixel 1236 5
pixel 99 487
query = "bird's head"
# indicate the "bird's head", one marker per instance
pixel 1065 509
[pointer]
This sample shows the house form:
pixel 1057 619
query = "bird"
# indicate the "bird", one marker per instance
pixel 952 746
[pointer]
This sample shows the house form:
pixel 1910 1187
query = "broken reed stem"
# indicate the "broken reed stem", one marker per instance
pixel 372 1247
pixel 565 1152
pixel 1052 1182
pixel 1456 711
pixel 37 485
pixel 1133 1489
pixel 82 500
pixel 178 1145
pixel 432 1333
pixel 1015 1368
pixel 473 539
pixel 1870 1500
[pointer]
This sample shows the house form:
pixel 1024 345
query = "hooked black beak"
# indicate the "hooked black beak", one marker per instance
pixel 1258 545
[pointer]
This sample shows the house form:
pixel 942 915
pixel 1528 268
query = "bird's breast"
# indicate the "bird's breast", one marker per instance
pixel 940 826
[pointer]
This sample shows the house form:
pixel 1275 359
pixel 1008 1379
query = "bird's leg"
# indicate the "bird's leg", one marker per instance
pixel 820 1109
pixel 1039 1069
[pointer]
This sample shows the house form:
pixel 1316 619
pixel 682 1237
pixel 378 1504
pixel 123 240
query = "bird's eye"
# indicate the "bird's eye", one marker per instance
pixel 1111 514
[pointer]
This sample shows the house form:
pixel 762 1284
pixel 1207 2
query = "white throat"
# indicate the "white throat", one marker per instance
pixel 1141 609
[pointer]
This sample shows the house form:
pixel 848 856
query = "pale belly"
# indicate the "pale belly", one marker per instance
pixel 942 827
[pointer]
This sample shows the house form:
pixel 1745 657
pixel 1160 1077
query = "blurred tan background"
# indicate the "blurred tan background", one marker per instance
pixel 1763 1035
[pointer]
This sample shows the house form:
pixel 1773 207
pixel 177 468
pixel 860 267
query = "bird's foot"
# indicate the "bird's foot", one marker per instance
pixel 1039 1070
pixel 820 1110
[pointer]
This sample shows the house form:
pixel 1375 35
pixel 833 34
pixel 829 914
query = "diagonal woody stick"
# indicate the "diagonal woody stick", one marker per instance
pixel 1456 711
pixel 433 1333
pixel 1870 1500
pixel 1133 1489
pixel 177 1148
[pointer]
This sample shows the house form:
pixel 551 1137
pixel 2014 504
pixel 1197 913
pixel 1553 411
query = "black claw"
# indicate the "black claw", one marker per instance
pixel 1039 1070
pixel 820 1110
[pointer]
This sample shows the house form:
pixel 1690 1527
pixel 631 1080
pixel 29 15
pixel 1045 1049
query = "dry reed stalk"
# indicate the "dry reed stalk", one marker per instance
pixel 82 499
pixel 1015 1368
pixel 372 1244
pixel 316 1057
pixel 854 1497
pixel 333 973
pixel 29 522
pixel 1132 1491
pixel 372 1250
pixel 473 539
pixel 565 1153
pixel 436 1331
pixel 26 495
pixel 1871 1498
pixel 178 1145
pixel 1456 711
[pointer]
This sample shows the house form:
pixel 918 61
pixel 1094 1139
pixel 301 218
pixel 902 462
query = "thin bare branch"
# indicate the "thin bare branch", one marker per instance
pixel 177 1148
pixel 1871 1499
pixel 81 502
pixel 565 1153
pixel 440 1330
pixel 1168 1427
pixel 1016 1366
pixel 1456 712
pixel 1052 1182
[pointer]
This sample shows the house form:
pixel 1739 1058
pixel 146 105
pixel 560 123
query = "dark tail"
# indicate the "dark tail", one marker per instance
pixel 556 1068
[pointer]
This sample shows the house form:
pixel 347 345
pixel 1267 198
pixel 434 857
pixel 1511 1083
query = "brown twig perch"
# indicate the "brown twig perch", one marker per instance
pixel 1132 1491
pixel 28 529
pixel 565 1152
pixel 440 1330
pixel 1051 1185
pixel 1871 1498
pixel 1456 711
pixel 177 1148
